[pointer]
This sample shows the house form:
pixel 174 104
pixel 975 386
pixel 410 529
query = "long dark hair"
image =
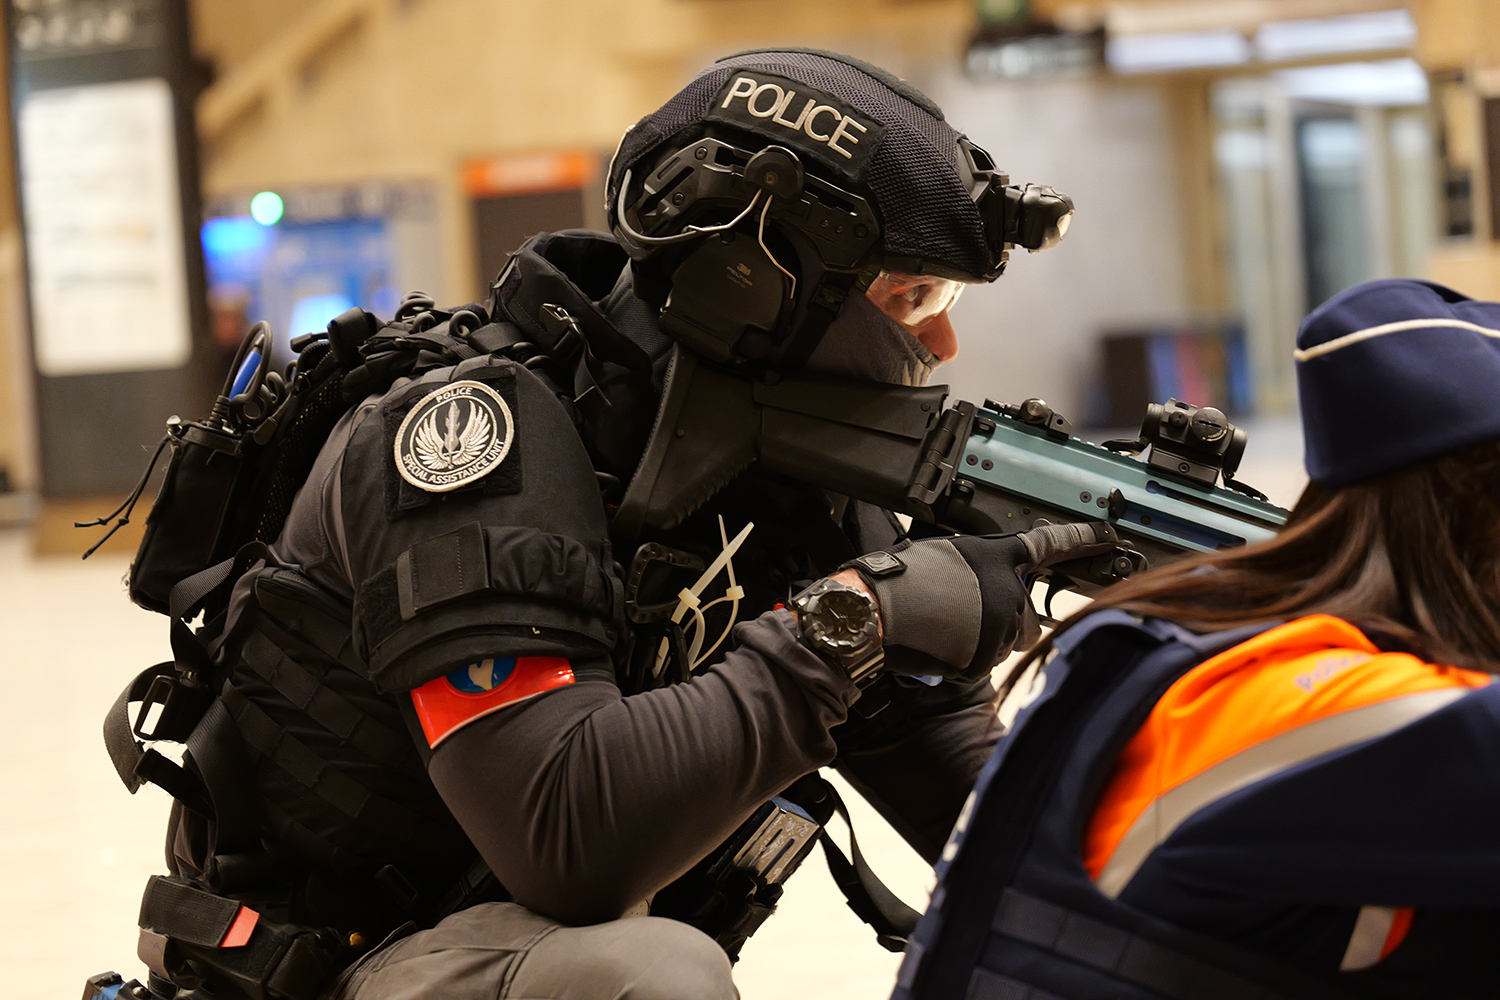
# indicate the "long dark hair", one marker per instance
pixel 1413 555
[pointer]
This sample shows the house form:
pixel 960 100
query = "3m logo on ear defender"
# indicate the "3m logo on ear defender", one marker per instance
pixel 799 115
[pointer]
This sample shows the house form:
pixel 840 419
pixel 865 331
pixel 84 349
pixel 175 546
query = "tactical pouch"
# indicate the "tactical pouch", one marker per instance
pixel 186 528
pixel 197 938
pixel 231 483
pixel 232 478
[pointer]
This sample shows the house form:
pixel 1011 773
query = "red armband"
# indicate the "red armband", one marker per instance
pixel 447 704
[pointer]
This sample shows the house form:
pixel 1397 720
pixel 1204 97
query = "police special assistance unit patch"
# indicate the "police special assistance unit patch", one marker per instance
pixel 447 704
pixel 454 437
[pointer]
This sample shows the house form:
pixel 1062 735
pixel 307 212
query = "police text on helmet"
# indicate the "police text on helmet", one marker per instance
pixel 769 100
pixel 793 113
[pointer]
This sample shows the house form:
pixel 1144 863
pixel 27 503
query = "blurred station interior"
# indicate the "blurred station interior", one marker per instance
pixel 1234 163
pixel 176 170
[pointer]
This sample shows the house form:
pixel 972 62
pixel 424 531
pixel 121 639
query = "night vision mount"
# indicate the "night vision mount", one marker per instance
pixel 1032 216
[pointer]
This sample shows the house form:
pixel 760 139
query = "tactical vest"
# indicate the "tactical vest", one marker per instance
pixel 1015 915
pixel 303 795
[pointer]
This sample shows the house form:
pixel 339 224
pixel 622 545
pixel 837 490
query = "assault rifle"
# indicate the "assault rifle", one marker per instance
pixel 973 469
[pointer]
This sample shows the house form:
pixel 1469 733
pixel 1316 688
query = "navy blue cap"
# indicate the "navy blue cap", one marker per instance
pixel 1394 372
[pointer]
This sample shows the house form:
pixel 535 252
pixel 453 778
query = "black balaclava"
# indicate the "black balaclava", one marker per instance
pixel 864 343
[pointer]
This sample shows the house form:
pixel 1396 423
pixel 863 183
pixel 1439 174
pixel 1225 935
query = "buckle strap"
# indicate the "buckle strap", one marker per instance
pixel 175 909
pixel 867 896
pixel 133 762
pixel 119 738
pixel 1168 973
pixel 179 783
pixel 218 755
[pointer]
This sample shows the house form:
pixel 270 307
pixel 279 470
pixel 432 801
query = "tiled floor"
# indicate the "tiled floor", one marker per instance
pixel 77 848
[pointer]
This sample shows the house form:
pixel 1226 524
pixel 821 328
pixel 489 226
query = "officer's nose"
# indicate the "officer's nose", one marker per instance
pixel 937 335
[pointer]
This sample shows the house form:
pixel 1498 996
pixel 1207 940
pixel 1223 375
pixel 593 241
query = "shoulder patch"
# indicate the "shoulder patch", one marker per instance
pixel 447 704
pixel 454 437
pixel 444 439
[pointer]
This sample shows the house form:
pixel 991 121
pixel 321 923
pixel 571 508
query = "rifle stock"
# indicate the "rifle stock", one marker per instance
pixel 965 468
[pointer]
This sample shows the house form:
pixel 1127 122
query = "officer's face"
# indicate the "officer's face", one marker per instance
pixel 920 303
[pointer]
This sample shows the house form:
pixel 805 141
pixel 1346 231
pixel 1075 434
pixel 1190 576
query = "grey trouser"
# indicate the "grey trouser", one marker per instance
pixel 502 950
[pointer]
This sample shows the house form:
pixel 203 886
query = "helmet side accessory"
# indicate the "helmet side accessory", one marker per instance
pixel 855 173
pixel 741 231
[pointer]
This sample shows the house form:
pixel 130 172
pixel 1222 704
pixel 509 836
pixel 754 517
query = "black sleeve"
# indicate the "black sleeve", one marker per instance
pixel 584 802
pixel 916 757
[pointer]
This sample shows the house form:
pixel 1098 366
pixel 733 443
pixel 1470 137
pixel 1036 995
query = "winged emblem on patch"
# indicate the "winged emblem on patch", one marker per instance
pixel 454 437
pixel 461 440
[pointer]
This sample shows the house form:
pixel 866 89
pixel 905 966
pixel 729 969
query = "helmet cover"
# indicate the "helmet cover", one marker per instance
pixel 854 123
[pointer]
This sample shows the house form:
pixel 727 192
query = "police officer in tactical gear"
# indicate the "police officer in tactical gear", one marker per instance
pixel 486 698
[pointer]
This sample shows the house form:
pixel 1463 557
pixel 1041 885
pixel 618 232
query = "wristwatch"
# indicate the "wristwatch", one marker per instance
pixel 841 625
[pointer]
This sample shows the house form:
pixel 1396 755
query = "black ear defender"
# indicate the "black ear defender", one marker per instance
pixel 729 294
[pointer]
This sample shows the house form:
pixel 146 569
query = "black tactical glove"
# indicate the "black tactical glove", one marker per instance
pixel 957 606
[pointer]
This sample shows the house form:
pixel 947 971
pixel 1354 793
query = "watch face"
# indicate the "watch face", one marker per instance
pixel 840 621
pixel 842 617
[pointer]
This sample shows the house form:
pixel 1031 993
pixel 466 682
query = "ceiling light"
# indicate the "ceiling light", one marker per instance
pixel 1368 32
pixel 1177 50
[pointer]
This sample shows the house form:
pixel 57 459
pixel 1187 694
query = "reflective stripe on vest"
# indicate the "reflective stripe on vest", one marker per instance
pixel 1290 695
pixel 1298 746
pixel 1377 932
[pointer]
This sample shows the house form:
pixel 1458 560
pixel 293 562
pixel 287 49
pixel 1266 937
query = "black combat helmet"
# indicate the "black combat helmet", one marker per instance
pixel 780 180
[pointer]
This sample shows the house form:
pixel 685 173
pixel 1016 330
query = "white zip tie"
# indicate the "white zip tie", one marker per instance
pixel 733 595
pixel 725 558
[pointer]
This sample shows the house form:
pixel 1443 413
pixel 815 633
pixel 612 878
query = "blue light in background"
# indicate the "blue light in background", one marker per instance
pixel 312 313
pixel 296 275
pixel 266 208
pixel 240 238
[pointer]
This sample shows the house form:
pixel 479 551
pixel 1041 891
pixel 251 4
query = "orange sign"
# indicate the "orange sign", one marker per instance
pixel 529 173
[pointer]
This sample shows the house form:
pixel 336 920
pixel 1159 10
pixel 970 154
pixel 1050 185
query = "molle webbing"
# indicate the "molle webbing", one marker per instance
pixel 386 827
pixel 1072 936
pixel 296 612
pixel 338 715
pixel 548 580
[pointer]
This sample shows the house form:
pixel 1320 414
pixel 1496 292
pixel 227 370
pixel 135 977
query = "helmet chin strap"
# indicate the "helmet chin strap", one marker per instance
pixel 824 305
